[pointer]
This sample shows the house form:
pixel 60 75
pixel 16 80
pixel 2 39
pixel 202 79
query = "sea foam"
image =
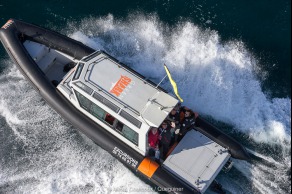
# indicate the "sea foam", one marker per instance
pixel 215 78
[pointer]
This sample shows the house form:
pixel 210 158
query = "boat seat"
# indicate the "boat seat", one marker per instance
pixel 36 51
pixel 46 62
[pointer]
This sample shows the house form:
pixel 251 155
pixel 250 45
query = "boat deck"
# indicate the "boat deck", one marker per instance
pixel 50 61
pixel 197 160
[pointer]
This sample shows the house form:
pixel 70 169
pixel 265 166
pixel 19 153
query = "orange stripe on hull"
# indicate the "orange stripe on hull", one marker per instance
pixel 148 167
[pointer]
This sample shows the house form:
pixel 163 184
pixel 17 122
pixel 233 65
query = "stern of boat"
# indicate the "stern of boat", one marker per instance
pixel 196 160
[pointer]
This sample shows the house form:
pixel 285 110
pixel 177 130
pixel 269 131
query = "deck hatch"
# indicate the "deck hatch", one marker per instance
pixel 197 160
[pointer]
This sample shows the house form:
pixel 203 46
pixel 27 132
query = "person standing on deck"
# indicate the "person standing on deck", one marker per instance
pixel 165 138
pixel 153 143
pixel 174 117
pixel 187 123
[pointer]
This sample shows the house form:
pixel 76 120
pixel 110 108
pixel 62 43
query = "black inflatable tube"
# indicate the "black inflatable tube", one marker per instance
pixel 12 38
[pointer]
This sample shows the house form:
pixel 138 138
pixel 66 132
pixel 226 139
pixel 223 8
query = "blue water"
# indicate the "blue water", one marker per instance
pixel 231 61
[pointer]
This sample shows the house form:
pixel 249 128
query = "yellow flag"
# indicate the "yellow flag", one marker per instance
pixel 172 83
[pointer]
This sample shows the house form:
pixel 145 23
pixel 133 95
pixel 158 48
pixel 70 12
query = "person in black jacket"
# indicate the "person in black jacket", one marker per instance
pixel 174 118
pixel 187 123
pixel 165 138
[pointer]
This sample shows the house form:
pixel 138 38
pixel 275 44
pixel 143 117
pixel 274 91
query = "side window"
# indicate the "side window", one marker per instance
pixel 119 127
pixel 84 102
pixel 97 111
pixel 130 118
pixel 78 71
pixel 84 87
pixel 127 132
pixel 103 116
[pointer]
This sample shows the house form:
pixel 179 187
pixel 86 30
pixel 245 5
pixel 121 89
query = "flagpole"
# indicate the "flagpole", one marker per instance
pixel 161 81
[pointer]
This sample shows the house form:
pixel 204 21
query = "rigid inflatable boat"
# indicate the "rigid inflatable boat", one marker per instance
pixel 116 107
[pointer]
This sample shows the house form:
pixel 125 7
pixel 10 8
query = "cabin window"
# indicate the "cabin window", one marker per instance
pixel 107 118
pixel 106 102
pixel 78 71
pixel 83 101
pixel 97 111
pixel 130 118
pixel 84 87
pixel 127 132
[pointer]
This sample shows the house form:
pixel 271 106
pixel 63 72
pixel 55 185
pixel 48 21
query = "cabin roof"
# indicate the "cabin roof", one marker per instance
pixel 126 88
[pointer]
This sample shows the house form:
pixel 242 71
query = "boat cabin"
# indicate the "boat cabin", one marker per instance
pixel 118 98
